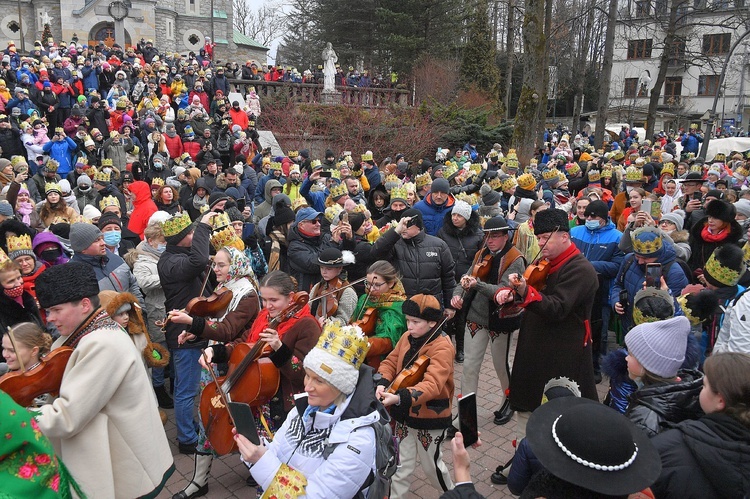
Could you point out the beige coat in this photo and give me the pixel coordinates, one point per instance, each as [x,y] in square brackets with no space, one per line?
[105,425]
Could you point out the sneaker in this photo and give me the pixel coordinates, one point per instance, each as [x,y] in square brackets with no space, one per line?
[459,357]
[504,414]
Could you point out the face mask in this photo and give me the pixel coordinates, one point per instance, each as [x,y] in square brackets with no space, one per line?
[158,166]
[592,224]
[236,108]
[14,292]
[160,248]
[112,238]
[51,255]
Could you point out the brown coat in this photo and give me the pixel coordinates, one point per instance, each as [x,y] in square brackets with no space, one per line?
[432,397]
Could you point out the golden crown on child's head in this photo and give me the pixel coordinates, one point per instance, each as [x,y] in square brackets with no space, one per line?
[176,224]
[106,162]
[226,237]
[345,342]
[274,165]
[157,181]
[108,201]
[293,154]
[422,179]
[549,174]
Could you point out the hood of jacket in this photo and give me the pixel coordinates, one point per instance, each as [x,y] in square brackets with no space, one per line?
[674,401]
[223,184]
[680,236]
[201,182]
[47,237]
[448,202]
[270,184]
[472,224]
[141,190]
[720,444]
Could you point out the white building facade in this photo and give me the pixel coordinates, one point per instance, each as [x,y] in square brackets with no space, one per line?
[705,34]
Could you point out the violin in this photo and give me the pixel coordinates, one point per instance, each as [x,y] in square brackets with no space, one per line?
[413,374]
[536,274]
[329,305]
[24,387]
[213,305]
[368,321]
[480,267]
[251,378]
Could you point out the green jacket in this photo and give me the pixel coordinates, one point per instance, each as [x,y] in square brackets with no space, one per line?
[391,322]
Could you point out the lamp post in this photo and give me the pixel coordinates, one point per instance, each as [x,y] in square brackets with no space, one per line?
[712,114]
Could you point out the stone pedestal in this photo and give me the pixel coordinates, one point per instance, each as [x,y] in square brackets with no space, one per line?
[330,98]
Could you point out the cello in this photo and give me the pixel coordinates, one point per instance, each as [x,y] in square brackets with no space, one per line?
[251,378]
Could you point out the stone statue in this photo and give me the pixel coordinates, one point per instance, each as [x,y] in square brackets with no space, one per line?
[46,19]
[329,68]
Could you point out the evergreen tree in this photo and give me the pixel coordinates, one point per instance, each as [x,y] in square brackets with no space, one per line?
[46,35]
[478,66]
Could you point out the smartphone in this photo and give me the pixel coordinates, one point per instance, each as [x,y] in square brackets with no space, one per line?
[646,206]
[698,196]
[653,275]
[241,204]
[467,418]
[325,174]
[244,421]
[623,299]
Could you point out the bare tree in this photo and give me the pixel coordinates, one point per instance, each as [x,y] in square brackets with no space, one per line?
[263,25]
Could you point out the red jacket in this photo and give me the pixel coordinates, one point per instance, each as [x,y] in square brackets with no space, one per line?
[192,147]
[174,145]
[239,117]
[144,207]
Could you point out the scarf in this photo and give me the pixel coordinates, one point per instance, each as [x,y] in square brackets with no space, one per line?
[25,208]
[98,319]
[387,299]
[199,202]
[239,279]
[261,322]
[5,179]
[710,237]
[278,239]
[562,258]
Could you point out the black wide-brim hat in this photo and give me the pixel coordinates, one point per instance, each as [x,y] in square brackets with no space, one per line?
[593,434]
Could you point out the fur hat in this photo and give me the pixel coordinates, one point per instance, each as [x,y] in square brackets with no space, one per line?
[660,346]
[550,221]
[699,307]
[338,355]
[66,283]
[425,307]
[83,235]
[721,210]
[651,305]
[725,266]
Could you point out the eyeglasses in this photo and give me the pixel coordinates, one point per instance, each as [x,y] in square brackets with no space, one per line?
[374,285]
[314,221]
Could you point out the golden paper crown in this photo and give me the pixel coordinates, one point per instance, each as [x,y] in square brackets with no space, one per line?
[668,168]
[220,221]
[471,199]
[106,162]
[656,155]
[399,192]
[59,129]
[496,183]
[725,275]
[650,243]
[157,181]
[102,177]
[176,224]
[594,176]
[533,161]
[740,172]
[335,174]
[19,243]
[226,237]
[392,179]
[339,191]
[266,161]
[52,187]
[332,212]
[550,174]
[475,168]
[109,201]
[572,169]
[274,166]
[18,160]
[293,154]
[422,179]
[52,165]
[509,183]
[344,342]
[693,126]
[315,163]
[450,171]
[565,137]
[682,300]
[633,174]
[527,181]
[287,483]
[619,155]
[299,203]
[720,157]
[696,168]
[3,258]
[607,173]
[367,156]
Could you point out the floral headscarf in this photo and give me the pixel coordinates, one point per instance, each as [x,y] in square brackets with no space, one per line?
[239,265]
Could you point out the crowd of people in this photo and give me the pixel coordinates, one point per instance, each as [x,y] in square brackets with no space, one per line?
[155,247]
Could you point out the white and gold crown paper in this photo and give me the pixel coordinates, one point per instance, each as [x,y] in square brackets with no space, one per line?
[176,224]
[348,343]
[108,201]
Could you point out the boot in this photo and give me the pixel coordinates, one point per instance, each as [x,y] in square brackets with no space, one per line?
[460,345]
[163,417]
[504,414]
[165,401]
[198,485]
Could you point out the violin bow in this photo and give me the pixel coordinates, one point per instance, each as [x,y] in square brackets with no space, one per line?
[223,395]
[13,342]
[337,290]
[418,352]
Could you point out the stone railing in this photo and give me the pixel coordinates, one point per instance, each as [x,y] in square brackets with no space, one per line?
[310,93]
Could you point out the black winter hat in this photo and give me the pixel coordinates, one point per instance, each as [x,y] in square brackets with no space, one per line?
[721,210]
[725,266]
[109,218]
[416,217]
[598,209]
[356,220]
[425,307]
[550,221]
[282,213]
[216,197]
[66,283]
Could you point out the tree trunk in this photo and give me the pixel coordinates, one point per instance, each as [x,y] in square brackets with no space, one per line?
[534,90]
[661,76]
[583,51]
[509,58]
[606,76]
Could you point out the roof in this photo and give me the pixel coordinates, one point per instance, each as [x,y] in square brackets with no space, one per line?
[241,39]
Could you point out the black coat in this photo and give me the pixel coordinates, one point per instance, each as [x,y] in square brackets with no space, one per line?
[651,407]
[11,313]
[704,459]
[701,250]
[552,336]
[302,255]
[181,273]
[463,243]
[10,141]
[424,262]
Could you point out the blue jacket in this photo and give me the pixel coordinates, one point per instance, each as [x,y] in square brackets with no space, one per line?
[600,247]
[24,105]
[433,215]
[91,77]
[62,152]
[316,199]
[525,466]
[690,142]
[373,177]
[635,276]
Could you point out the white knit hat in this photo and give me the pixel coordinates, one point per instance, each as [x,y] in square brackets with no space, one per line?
[336,358]
[462,208]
